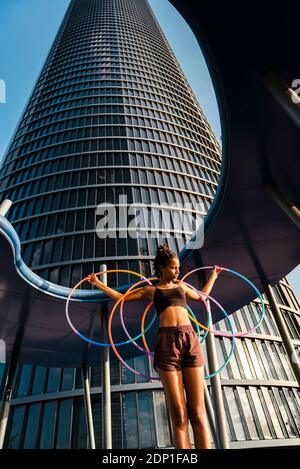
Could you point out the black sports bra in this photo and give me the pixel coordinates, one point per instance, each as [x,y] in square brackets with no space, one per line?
[168,297]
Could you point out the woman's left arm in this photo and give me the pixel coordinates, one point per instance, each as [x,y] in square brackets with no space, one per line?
[213,277]
[207,287]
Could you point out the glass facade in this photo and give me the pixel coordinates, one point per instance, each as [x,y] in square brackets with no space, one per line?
[112,115]
[261,395]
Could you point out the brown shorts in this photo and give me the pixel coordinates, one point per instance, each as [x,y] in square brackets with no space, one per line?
[176,348]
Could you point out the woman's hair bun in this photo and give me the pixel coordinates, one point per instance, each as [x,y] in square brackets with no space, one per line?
[163,248]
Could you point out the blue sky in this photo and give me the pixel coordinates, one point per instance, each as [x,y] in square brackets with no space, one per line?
[26,35]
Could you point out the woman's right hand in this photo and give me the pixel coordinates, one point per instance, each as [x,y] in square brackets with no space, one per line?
[93,279]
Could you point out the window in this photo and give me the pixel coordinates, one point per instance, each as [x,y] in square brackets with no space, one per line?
[246,364]
[53,275]
[27,254]
[285,412]
[79,439]
[233,368]
[137,195]
[53,380]
[234,415]
[67,250]
[68,379]
[64,424]
[32,427]
[154,196]
[257,365]
[57,246]
[24,381]
[61,218]
[47,251]
[73,199]
[159,179]
[146,424]
[261,412]
[70,222]
[39,380]
[143,247]
[247,413]
[80,219]
[134,175]
[51,225]
[48,425]
[132,247]
[65,277]
[110,247]
[24,230]
[78,247]
[163,198]
[130,420]
[163,426]
[273,414]
[89,246]
[14,441]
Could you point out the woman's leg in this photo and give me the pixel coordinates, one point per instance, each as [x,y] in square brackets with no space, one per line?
[173,387]
[194,388]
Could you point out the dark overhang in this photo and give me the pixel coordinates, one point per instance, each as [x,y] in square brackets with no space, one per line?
[251,227]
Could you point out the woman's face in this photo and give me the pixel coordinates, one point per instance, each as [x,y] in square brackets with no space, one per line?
[171,272]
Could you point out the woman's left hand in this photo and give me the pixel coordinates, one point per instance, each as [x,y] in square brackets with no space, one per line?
[216,271]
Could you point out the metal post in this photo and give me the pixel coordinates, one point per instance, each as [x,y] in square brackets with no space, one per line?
[7,397]
[5,206]
[216,387]
[106,397]
[88,406]
[210,415]
[154,408]
[284,203]
[283,330]
[284,95]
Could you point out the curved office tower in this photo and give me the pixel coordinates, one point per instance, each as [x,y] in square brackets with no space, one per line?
[112,114]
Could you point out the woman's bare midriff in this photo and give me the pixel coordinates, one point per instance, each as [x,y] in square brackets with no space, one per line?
[174,316]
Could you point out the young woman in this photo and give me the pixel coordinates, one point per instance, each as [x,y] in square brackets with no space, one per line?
[178,357]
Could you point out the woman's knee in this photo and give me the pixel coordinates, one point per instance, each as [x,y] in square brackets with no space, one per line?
[179,416]
[196,415]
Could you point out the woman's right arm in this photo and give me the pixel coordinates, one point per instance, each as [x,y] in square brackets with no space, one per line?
[138,294]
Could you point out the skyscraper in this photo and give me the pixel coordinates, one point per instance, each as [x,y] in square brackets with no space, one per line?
[111,115]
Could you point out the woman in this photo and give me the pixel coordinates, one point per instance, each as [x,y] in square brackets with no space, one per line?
[178,357]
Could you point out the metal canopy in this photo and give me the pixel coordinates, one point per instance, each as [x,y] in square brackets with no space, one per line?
[251,50]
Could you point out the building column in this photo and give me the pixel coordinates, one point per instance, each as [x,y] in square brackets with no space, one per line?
[284,203]
[289,100]
[8,389]
[286,97]
[88,406]
[215,382]
[283,330]
[105,375]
